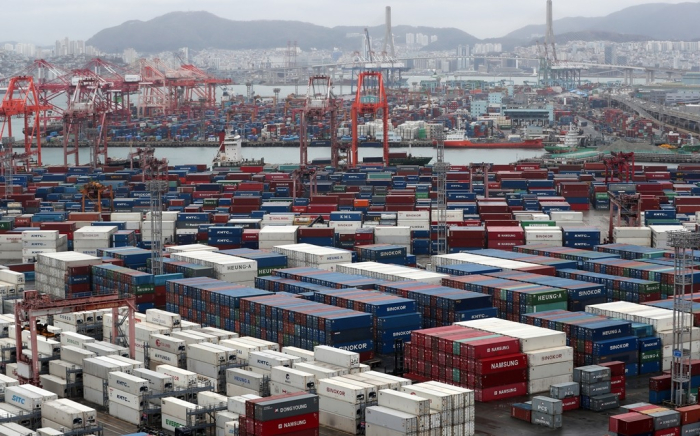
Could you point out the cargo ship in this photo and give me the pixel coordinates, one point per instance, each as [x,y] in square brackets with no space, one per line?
[230,154]
[459,139]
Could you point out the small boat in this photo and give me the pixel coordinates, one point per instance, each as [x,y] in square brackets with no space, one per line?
[459,139]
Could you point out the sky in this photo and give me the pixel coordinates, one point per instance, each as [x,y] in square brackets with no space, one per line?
[44,21]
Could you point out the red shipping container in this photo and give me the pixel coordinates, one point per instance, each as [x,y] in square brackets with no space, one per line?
[571,403]
[500,392]
[521,414]
[497,379]
[631,424]
[500,364]
[617,368]
[689,414]
[673,431]
[492,347]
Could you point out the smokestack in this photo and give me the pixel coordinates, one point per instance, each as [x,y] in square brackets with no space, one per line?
[388,35]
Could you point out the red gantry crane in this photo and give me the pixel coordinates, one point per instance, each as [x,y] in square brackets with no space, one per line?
[21,101]
[85,117]
[369,99]
[320,102]
[35,305]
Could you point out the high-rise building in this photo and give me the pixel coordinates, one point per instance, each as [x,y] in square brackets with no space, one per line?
[129,55]
[609,54]
[410,38]
[463,57]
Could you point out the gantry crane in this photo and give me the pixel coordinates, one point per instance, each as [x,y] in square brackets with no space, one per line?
[441,168]
[482,169]
[301,176]
[319,103]
[370,98]
[22,101]
[35,305]
[95,192]
[86,115]
[619,167]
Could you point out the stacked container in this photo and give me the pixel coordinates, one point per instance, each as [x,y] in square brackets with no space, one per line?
[88,239]
[211,361]
[109,278]
[392,273]
[36,242]
[209,301]
[618,288]
[470,358]
[660,319]
[545,236]
[595,339]
[227,268]
[345,223]
[504,238]
[27,397]
[632,236]
[66,414]
[455,405]
[547,411]
[176,413]
[271,236]
[486,260]
[126,396]
[307,255]
[291,321]
[659,235]
[65,275]
[296,413]
[512,298]
[549,360]
[393,235]
[96,374]
[596,388]
[393,317]
[12,245]
[579,294]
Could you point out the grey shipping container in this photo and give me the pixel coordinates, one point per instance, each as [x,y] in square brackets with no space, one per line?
[286,407]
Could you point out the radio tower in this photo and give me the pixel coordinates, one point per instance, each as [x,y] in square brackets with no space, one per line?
[388,36]
[683,243]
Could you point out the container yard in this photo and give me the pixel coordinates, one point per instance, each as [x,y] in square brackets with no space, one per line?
[359,308]
[387,295]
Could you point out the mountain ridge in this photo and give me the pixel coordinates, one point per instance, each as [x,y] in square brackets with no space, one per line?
[204,30]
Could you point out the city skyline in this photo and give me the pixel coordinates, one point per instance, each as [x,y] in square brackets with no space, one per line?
[81,19]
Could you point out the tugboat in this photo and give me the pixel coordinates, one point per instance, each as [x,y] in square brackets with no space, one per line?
[571,142]
[230,154]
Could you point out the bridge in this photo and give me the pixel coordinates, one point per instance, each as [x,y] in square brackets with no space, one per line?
[682,121]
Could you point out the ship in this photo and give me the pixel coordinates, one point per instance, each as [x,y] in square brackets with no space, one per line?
[570,144]
[230,153]
[403,158]
[459,139]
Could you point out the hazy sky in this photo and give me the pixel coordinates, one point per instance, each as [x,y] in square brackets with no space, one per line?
[44,21]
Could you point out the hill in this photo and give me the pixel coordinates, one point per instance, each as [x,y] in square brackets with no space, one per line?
[200,30]
[651,20]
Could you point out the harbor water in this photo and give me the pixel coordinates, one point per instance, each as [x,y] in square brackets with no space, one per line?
[287,155]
